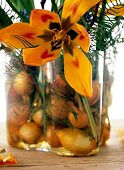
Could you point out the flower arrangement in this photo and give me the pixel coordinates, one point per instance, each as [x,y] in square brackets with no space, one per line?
[43,39]
[61,113]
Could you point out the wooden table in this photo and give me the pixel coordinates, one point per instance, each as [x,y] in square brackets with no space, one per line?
[110,157]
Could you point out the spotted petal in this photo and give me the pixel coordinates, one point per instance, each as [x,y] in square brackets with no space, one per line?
[80,36]
[43,20]
[77,69]
[19,35]
[73,10]
[117,10]
[40,55]
[42,28]
[108,1]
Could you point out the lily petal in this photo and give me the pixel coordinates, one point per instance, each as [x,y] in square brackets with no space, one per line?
[19,35]
[40,55]
[73,10]
[43,20]
[117,10]
[80,36]
[80,76]
[108,1]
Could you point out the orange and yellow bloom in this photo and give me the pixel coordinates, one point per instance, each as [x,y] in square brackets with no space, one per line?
[114,8]
[117,10]
[46,36]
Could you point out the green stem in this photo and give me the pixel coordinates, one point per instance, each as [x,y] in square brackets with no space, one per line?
[79,101]
[43,88]
[99,33]
[90,117]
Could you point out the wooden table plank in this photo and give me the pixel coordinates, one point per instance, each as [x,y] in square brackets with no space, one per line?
[110,157]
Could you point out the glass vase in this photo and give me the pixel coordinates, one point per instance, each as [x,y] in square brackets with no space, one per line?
[108,78]
[45,113]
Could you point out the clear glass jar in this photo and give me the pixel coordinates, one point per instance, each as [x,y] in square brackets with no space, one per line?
[45,113]
[108,78]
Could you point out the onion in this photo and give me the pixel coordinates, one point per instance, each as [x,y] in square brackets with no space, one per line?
[23,84]
[30,133]
[77,141]
[18,113]
[80,120]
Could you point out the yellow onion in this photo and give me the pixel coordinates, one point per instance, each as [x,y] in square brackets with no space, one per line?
[96,93]
[78,118]
[18,113]
[30,133]
[58,107]
[51,137]
[12,95]
[38,117]
[80,121]
[23,84]
[60,85]
[76,141]
[12,134]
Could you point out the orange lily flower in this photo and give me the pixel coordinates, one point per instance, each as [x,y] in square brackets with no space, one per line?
[46,35]
[117,10]
[112,9]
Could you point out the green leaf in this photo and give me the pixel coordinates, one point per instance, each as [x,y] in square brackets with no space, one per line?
[54,6]
[5,20]
[22,17]
[61,1]
[28,5]
[91,119]
[16,4]
[21,5]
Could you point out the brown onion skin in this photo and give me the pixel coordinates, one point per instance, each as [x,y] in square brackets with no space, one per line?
[18,113]
[96,93]
[30,133]
[38,117]
[51,137]
[23,84]
[76,141]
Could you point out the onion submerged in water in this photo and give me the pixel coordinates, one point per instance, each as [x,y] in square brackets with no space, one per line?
[78,118]
[58,107]
[51,136]
[18,113]
[76,141]
[23,84]
[96,93]
[30,133]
